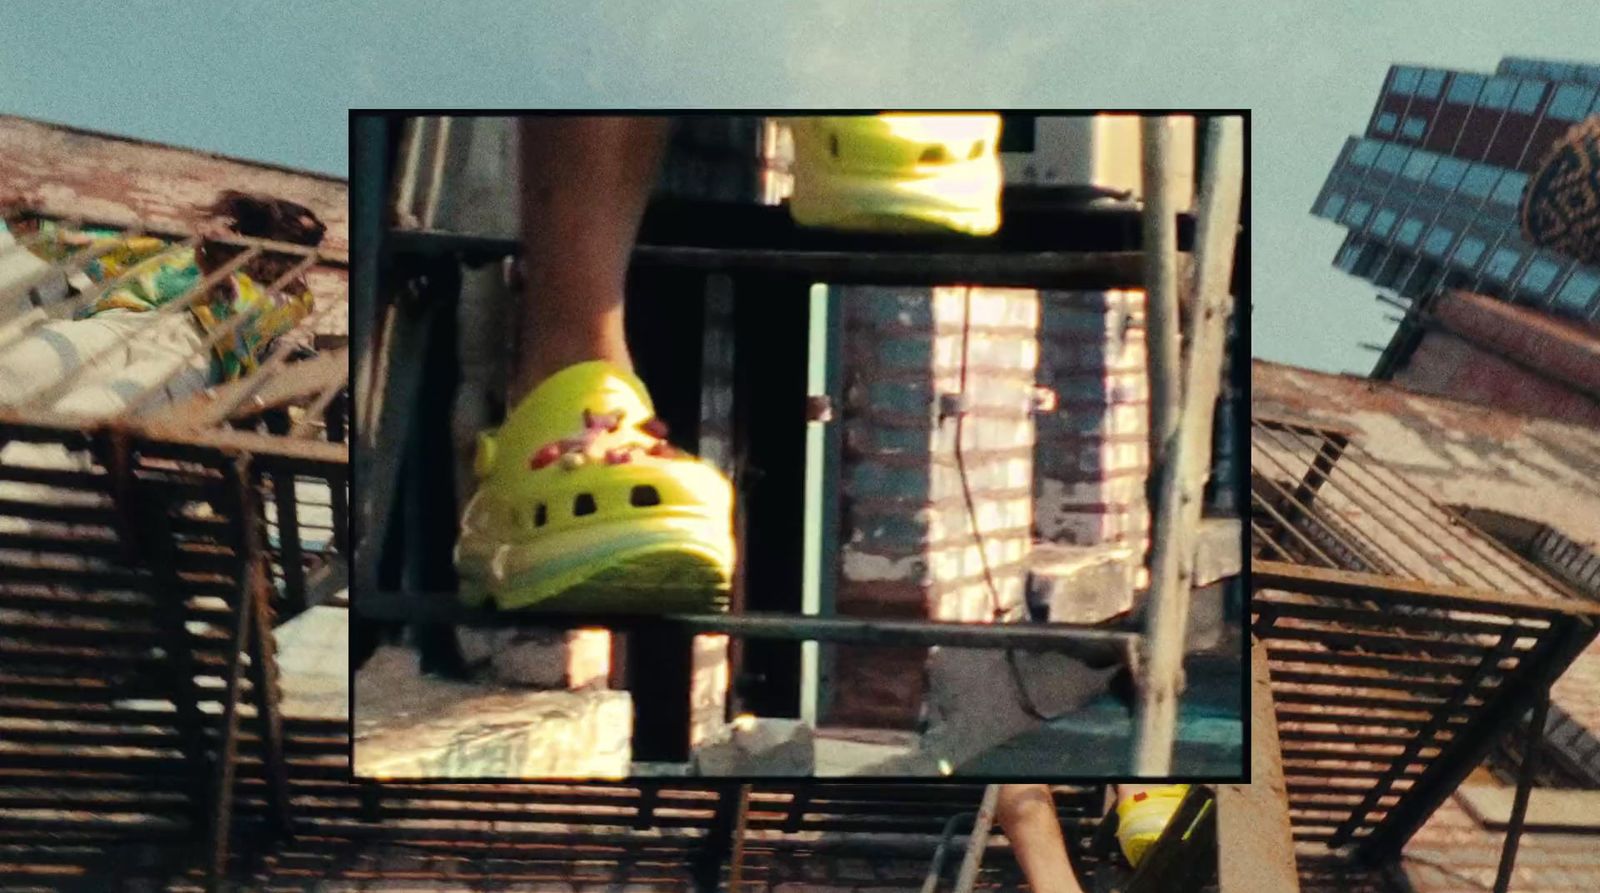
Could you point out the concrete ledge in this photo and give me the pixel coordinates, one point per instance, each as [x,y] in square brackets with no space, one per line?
[1549,809]
[409,726]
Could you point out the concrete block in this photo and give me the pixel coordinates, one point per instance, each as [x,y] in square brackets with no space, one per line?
[1081,584]
[758,746]
[408,726]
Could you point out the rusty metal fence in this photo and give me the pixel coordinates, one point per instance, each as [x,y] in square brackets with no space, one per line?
[1403,641]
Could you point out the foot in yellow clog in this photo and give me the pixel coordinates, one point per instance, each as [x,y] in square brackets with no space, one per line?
[582,506]
[1142,818]
[898,173]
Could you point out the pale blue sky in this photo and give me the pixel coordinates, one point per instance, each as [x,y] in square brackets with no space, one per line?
[271,79]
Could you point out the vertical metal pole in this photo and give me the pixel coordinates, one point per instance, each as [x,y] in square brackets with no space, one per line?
[1519,805]
[225,768]
[368,184]
[972,862]
[1160,247]
[1183,472]
[740,821]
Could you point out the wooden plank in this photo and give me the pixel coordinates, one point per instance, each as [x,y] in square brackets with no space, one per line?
[1256,849]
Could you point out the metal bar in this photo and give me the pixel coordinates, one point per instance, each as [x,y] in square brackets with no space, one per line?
[1480,539]
[1365,552]
[1519,804]
[1447,517]
[283,497]
[1438,780]
[225,767]
[444,608]
[1258,534]
[1034,269]
[170,615]
[1160,243]
[1278,575]
[75,263]
[978,841]
[1381,514]
[263,658]
[740,825]
[131,223]
[214,338]
[50,395]
[1276,542]
[1182,478]
[930,883]
[1327,454]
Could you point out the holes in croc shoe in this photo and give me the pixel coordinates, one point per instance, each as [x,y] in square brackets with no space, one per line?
[583,504]
[541,515]
[934,155]
[644,496]
[977,151]
[833,144]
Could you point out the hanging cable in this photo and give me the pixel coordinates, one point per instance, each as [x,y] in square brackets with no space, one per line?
[997,611]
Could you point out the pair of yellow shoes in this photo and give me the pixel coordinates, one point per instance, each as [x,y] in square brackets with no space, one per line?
[581,504]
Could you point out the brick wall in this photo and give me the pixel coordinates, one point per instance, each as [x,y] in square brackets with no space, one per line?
[1448,366]
[1093,453]
[907,544]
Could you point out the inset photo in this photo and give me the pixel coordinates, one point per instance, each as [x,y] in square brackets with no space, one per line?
[880,444]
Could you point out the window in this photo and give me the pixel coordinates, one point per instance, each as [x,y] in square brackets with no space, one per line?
[1541,272]
[1357,215]
[1392,158]
[1364,153]
[1428,86]
[1333,205]
[1414,128]
[1464,88]
[1502,264]
[1509,190]
[1385,124]
[1438,241]
[1409,231]
[1418,166]
[1346,260]
[1447,173]
[1382,222]
[1581,288]
[1497,92]
[1470,251]
[1405,81]
[1571,102]
[1479,180]
[1528,96]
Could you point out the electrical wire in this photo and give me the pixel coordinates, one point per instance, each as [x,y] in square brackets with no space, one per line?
[997,611]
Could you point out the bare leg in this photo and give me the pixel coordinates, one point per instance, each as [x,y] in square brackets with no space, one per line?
[1027,814]
[585,183]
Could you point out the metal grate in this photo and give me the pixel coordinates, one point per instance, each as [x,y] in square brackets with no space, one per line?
[295,393]
[1402,641]
[143,560]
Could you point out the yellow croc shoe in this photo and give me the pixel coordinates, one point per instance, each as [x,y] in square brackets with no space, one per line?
[583,506]
[898,173]
[1142,817]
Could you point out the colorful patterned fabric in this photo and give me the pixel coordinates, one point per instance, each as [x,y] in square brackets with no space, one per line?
[157,279]
[1561,208]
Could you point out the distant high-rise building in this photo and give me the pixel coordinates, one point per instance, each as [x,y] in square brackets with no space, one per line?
[1433,193]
